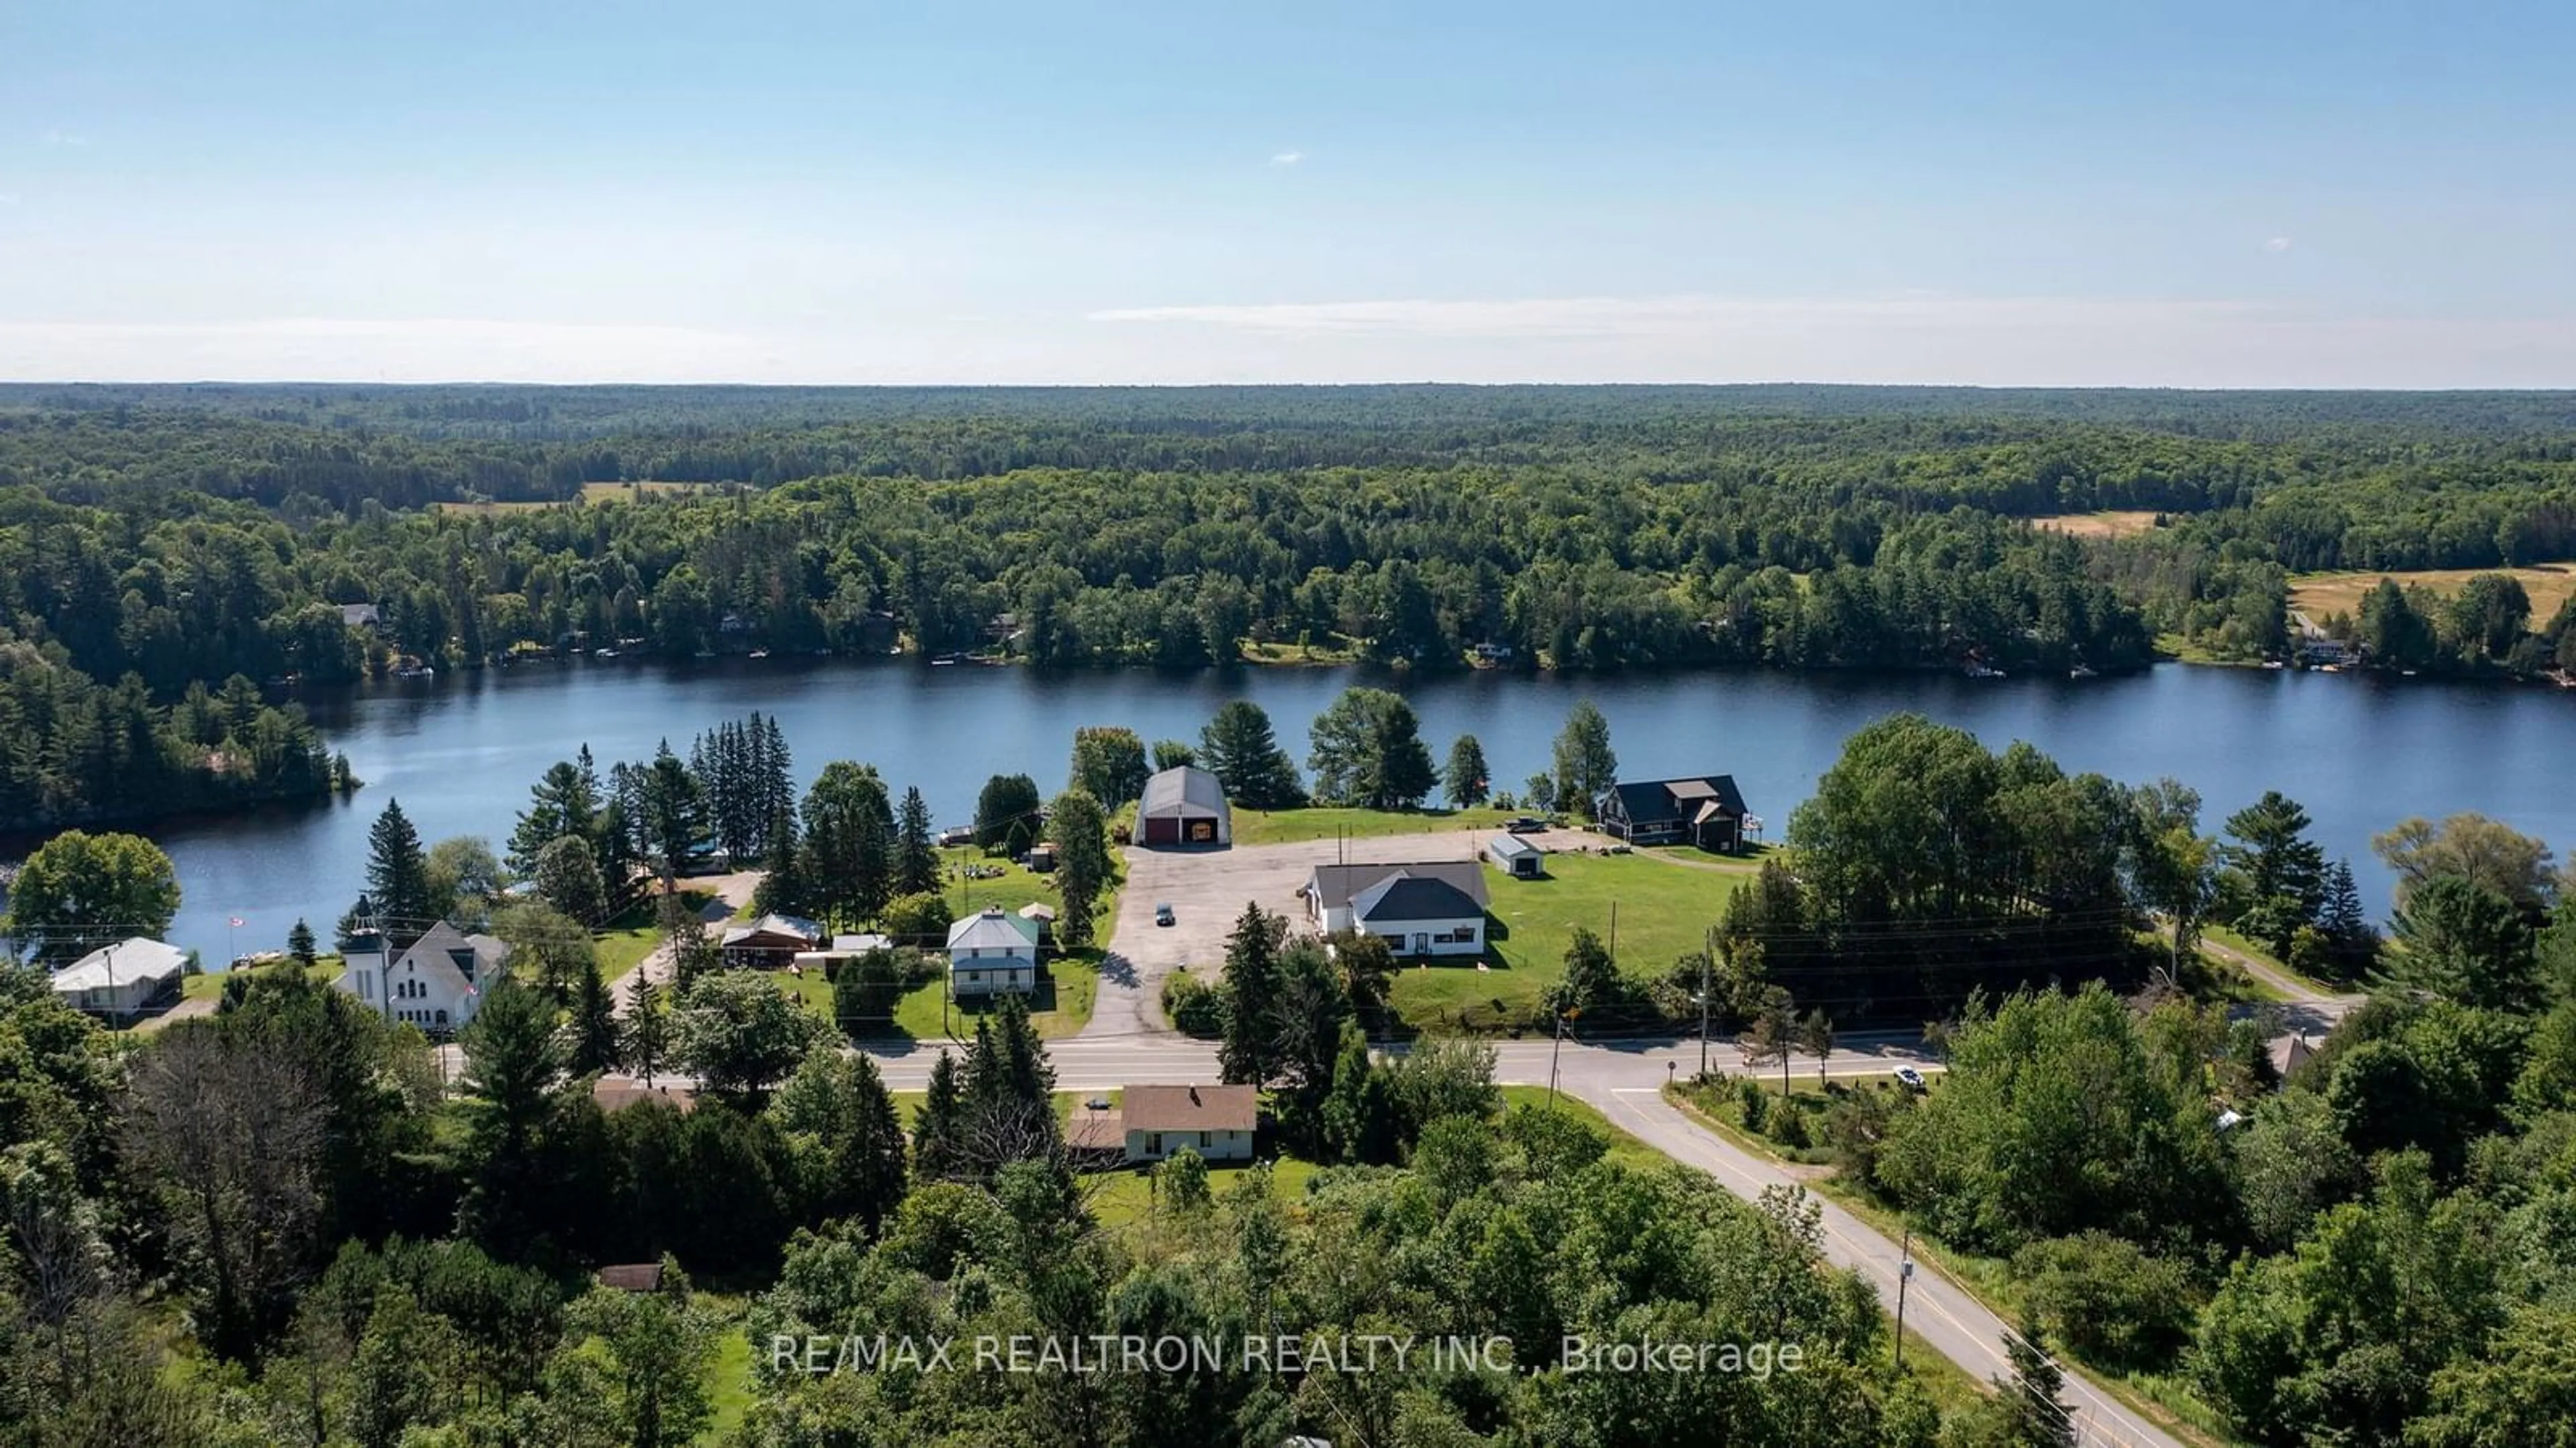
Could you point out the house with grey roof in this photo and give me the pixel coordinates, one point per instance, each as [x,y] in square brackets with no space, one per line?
[992,953]
[1428,908]
[1704,810]
[1184,806]
[123,980]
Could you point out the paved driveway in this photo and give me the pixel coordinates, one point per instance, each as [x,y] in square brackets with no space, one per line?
[1207,889]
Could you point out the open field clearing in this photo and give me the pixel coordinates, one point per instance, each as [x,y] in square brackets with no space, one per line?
[2322,595]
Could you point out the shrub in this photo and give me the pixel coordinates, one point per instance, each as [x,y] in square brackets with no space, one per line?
[1194,1007]
[2108,1301]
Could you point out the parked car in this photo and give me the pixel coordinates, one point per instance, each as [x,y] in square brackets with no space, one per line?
[1162,914]
[1909,1078]
[1525,825]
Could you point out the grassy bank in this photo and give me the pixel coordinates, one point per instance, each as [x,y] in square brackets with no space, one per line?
[1664,912]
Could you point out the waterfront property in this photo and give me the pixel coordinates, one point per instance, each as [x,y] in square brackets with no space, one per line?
[121,981]
[1151,1123]
[1516,857]
[992,953]
[1703,810]
[1430,908]
[434,984]
[1184,806]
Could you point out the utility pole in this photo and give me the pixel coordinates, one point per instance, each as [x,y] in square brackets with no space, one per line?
[1704,962]
[1904,1275]
[1614,932]
[1553,1052]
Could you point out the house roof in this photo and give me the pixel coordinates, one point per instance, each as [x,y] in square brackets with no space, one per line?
[1096,1131]
[632,1277]
[1647,800]
[2289,1053]
[1335,886]
[1190,1108]
[437,946]
[354,614]
[127,961]
[1184,790]
[1039,911]
[861,944]
[612,1094]
[993,930]
[773,927]
[1402,896]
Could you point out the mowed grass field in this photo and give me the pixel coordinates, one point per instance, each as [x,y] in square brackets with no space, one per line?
[1664,912]
[1289,826]
[2107,524]
[2322,595]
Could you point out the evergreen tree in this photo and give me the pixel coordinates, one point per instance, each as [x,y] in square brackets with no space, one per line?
[2352,942]
[939,1128]
[916,847]
[1249,1053]
[1586,766]
[1237,746]
[512,1063]
[1465,782]
[848,1138]
[647,1038]
[1083,863]
[849,842]
[2037,1417]
[1173,754]
[675,813]
[594,1046]
[565,801]
[1359,1120]
[398,876]
[300,946]
[783,887]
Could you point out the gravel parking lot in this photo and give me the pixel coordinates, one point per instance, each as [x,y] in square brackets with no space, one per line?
[1207,889]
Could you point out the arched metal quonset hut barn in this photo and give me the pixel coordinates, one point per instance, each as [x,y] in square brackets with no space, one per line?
[1184,806]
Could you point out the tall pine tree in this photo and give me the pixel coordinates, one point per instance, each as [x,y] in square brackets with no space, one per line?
[398,877]
[1249,1054]
[916,847]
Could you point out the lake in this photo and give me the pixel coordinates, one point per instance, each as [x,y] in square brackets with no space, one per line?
[460,752]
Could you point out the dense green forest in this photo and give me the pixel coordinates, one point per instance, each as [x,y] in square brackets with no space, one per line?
[183,535]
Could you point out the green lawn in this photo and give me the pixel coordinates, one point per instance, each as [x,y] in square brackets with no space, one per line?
[326,969]
[1287,826]
[1061,1006]
[729,1385]
[632,936]
[1664,913]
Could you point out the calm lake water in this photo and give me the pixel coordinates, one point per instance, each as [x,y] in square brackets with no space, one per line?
[461,752]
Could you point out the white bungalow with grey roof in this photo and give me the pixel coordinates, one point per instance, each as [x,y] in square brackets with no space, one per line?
[121,980]
[1431,908]
[992,954]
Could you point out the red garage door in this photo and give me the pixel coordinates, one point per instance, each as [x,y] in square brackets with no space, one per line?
[1162,830]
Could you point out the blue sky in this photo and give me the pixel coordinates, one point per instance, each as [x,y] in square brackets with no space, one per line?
[2189,194]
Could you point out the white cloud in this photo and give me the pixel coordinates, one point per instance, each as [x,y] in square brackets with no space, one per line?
[1287,158]
[2277,244]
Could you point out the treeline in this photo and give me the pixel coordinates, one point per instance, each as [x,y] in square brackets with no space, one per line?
[364,1258]
[74,752]
[2374,1251]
